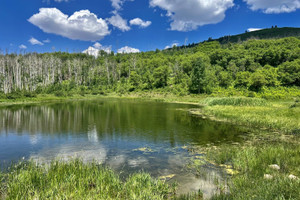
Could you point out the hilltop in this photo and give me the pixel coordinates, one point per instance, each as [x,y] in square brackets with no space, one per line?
[267,33]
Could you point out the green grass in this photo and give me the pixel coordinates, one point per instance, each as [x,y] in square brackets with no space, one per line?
[283,116]
[148,96]
[76,180]
[252,162]
[234,101]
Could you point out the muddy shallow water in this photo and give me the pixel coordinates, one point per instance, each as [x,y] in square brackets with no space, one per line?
[127,135]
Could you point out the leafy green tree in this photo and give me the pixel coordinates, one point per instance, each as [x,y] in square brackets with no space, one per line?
[242,79]
[134,80]
[257,81]
[161,75]
[289,73]
[271,75]
[225,79]
[198,76]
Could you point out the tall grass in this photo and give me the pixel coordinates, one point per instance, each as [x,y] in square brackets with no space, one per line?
[76,180]
[280,116]
[234,101]
[252,162]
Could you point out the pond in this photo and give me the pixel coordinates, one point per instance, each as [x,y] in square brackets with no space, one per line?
[127,135]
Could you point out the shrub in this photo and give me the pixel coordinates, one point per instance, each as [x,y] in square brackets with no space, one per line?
[59,93]
[29,94]
[14,95]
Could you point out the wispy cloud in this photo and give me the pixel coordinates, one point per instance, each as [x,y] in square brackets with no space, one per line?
[34,41]
[22,46]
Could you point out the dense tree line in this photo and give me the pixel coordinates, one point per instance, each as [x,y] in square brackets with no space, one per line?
[203,68]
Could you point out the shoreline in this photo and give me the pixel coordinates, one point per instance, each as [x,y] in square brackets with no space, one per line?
[276,116]
[147,97]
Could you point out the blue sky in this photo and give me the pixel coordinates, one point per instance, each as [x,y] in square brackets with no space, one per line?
[133,25]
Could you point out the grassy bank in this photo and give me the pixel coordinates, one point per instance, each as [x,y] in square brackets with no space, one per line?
[283,116]
[275,115]
[265,167]
[145,96]
[249,164]
[255,178]
[76,180]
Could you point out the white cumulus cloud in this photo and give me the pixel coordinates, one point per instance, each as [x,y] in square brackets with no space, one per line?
[82,25]
[172,45]
[119,22]
[128,49]
[253,29]
[34,41]
[22,46]
[274,6]
[140,22]
[188,15]
[97,47]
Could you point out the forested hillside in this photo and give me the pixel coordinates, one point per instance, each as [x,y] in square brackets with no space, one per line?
[251,68]
[269,33]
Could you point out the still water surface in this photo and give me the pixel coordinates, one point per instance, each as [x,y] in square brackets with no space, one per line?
[127,135]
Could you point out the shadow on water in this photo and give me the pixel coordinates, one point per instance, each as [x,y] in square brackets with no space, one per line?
[126,135]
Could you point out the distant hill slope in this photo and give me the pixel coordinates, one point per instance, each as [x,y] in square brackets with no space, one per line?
[261,34]
[268,33]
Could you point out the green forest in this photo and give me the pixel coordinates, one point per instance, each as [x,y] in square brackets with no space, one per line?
[267,68]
